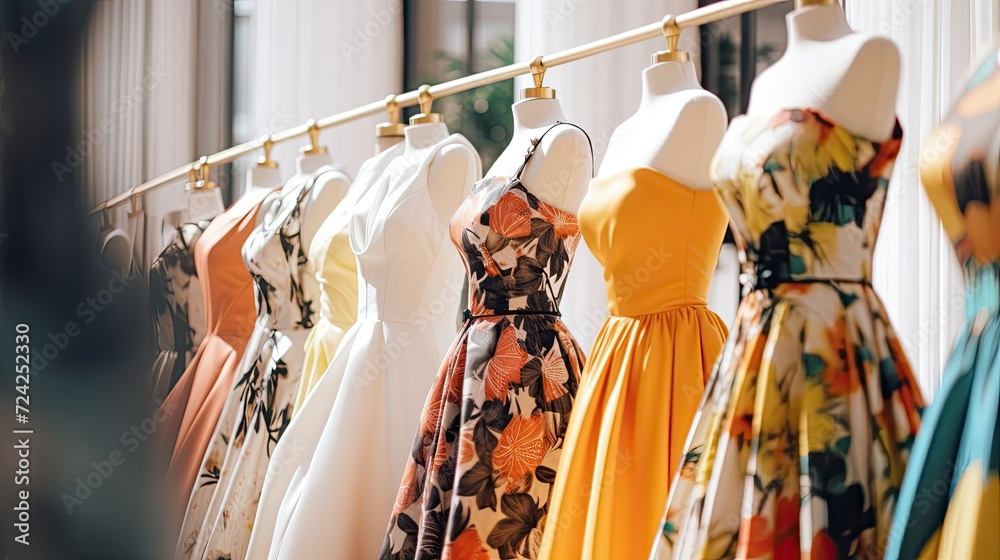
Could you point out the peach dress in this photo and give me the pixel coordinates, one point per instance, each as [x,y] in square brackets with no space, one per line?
[195,403]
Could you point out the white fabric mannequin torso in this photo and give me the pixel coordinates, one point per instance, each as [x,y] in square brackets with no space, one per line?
[547,175]
[294,451]
[383,143]
[260,182]
[676,129]
[324,195]
[410,279]
[852,77]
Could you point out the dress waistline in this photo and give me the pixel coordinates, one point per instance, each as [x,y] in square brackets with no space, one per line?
[468,316]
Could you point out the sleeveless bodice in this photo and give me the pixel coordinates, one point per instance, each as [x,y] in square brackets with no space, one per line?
[225,281]
[960,169]
[330,252]
[805,196]
[406,273]
[176,304]
[284,282]
[336,273]
[677,231]
[517,248]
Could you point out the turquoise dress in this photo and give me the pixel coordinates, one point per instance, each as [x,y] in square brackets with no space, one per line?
[949,504]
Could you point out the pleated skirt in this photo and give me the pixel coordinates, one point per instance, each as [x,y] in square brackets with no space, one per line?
[638,396]
[949,505]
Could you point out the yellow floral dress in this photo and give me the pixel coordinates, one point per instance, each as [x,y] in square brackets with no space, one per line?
[799,446]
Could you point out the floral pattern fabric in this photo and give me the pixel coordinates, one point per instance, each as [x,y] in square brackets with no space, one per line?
[223,504]
[800,444]
[177,307]
[485,455]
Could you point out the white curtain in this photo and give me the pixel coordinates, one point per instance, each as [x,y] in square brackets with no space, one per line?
[153,83]
[312,59]
[915,268]
[599,93]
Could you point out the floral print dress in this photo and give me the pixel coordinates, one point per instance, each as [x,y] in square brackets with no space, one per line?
[800,444]
[223,505]
[177,307]
[480,475]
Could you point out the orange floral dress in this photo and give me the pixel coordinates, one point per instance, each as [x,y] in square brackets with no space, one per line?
[799,446]
[478,481]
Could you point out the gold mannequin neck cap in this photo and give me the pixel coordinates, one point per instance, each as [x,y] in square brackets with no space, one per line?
[426,100]
[391,128]
[672,33]
[538,75]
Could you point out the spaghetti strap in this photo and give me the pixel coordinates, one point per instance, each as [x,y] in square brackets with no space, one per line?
[536,141]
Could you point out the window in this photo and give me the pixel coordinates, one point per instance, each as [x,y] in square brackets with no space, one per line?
[448,39]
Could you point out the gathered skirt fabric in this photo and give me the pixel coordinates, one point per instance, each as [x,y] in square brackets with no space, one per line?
[320,348]
[384,368]
[484,458]
[799,447]
[949,505]
[640,390]
[194,406]
[223,504]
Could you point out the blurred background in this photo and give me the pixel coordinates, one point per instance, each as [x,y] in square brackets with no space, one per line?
[101,95]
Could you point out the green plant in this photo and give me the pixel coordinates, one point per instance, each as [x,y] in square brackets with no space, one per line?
[483,114]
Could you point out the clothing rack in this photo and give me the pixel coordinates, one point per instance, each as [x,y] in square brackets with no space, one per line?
[670,28]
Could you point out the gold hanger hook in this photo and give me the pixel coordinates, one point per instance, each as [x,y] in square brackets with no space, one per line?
[204,180]
[106,219]
[672,35]
[314,147]
[799,4]
[392,127]
[135,205]
[537,67]
[426,101]
[425,98]
[266,143]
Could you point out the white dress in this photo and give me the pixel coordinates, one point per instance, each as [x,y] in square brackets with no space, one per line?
[223,504]
[410,293]
[295,449]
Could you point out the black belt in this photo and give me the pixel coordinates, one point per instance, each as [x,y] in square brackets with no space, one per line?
[468,316]
[769,284]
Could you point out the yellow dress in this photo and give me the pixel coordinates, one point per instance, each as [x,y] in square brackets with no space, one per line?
[658,242]
[337,273]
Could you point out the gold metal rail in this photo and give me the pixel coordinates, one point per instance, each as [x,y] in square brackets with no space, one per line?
[694,18]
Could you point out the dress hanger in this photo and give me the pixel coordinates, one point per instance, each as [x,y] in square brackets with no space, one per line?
[799,4]
[672,33]
[426,100]
[391,128]
[538,75]
[204,197]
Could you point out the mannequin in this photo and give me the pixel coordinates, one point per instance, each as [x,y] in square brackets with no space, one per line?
[391,132]
[203,198]
[563,164]
[263,177]
[852,77]
[115,249]
[677,127]
[446,173]
[326,193]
